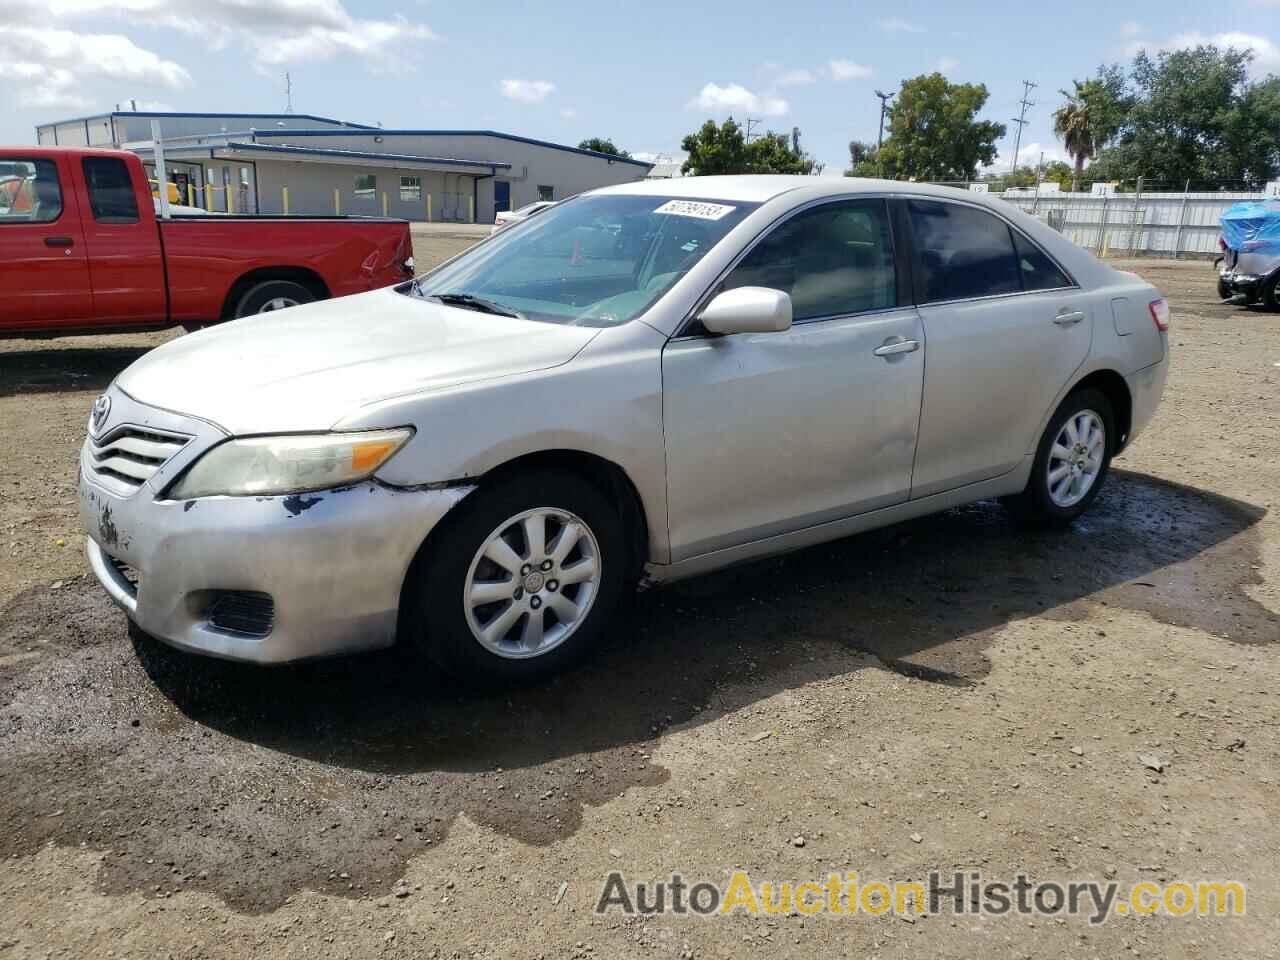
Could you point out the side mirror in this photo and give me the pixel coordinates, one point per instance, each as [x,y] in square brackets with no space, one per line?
[748,310]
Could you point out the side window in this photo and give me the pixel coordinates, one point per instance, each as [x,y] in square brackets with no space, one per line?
[962,251]
[111,195]
[29,191]
[833,260]
[546,193]
[1038,271]
[366,185]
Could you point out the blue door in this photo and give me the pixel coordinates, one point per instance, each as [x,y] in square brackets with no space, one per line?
[501,196]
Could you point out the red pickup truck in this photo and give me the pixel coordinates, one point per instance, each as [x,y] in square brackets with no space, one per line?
[82,251]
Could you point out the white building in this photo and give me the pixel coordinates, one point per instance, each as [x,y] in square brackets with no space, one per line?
[298,163]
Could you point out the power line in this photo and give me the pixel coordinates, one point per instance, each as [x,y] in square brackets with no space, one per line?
[1021,120]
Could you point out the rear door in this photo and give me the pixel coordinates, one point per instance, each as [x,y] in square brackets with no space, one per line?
[126,265]
[1006,328]
[45,281]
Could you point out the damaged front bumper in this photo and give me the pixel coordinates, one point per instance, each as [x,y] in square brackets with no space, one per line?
[264,579]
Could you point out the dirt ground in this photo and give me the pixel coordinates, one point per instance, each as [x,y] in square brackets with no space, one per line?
[951,694]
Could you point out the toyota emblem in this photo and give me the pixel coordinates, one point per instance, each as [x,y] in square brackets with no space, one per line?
[101,410]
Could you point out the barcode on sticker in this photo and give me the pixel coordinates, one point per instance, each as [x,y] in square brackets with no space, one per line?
[693,208]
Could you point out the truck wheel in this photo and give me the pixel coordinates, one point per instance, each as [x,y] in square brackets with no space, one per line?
[521,580]
[1071,462]
[273,295]
[1224,290]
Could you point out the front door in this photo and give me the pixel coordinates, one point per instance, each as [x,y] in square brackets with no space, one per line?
[1006,330]
[771,433]
[501,196]
[46,276]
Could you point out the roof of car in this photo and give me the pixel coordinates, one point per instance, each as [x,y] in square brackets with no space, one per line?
[758,188]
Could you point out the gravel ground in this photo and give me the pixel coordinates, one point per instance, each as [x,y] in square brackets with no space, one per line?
[952,693]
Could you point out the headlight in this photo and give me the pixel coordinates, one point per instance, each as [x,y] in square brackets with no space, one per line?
[288,464]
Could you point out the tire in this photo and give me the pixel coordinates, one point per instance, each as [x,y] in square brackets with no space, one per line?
[272,295]
[1268,297]
[1050,504]
[449,630]
[1224,290]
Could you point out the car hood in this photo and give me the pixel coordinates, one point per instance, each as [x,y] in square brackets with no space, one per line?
[308,367]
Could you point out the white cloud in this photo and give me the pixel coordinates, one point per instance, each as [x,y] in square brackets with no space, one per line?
[276,31]
[1028,156]
[55,68]
[527,91]
[899,25]
[847,70]
[568,113]
[796,78]
[1266,54]
[733,97]
[946,64]
[1130,29]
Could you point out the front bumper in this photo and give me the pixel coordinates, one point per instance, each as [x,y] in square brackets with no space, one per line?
[332,564]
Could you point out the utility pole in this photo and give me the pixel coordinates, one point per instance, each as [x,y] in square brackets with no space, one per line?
[1021,120]
[288,92]
[884,107]
[751,122]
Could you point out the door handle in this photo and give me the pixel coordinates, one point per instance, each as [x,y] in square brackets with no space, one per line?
[58,241]
[891,348]
[1069,317]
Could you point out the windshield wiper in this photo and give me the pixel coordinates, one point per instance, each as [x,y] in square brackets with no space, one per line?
[470,302]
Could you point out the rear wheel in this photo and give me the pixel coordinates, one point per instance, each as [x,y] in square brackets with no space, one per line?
[521,581]
[272,295]
[1072,460]
[1269,298]
[1224,290]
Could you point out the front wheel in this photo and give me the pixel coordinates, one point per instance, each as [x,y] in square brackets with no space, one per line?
[1072,460]
[521,581]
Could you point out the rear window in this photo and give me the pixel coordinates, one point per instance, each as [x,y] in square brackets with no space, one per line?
[963,252]
[111,195]
[29,191]
[1038,271]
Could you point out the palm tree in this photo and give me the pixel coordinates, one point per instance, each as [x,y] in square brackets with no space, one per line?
[1076,123]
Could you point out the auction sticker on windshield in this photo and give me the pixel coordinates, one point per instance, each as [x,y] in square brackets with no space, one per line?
[692,208]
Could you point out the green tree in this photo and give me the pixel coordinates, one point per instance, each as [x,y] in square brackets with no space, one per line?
[1195,116]
[1063,174]
[1087,119]
[862,160]
[934,133]
[603,145]
[723,149]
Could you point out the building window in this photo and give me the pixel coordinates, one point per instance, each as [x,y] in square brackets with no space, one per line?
[366,186]
[546,193]
[410,188]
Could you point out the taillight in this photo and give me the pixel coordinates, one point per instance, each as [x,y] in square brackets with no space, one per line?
[1160,313]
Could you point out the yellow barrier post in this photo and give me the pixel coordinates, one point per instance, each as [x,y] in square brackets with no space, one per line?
[472,204]
[231,206]
[208,197]
[284,196]
[428,208]
[337,202]
[191,195]
[384,203]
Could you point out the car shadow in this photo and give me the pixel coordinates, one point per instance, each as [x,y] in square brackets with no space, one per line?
[922,598]
[60,371]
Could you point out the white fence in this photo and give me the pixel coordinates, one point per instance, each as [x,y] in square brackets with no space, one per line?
[1159,224]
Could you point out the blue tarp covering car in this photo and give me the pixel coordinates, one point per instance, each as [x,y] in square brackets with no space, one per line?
[1250,266]
[1252,222]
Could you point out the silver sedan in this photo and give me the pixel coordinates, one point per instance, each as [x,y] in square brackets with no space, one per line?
[641,384]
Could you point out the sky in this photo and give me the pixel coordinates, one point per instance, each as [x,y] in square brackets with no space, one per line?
[643,74]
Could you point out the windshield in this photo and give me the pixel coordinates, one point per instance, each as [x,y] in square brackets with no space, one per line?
[594,261]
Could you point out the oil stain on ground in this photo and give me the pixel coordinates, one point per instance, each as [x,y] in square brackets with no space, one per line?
[254,783]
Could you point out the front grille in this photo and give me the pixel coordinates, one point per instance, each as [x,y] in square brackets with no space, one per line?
[244,612]
[127,457]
